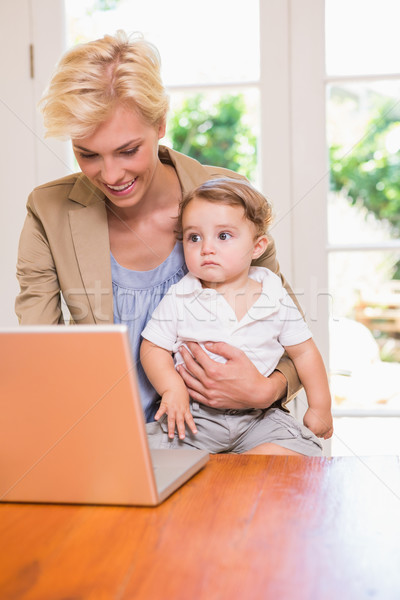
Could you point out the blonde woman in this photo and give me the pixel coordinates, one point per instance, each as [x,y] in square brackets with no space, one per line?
[103,239]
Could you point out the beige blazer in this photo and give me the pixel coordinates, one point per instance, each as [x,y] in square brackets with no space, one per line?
[64,247]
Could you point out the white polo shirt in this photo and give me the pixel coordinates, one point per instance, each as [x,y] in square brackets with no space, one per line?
[189,312]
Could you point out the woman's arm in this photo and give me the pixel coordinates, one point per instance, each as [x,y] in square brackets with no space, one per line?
[39,300]
[236,384]
[285,365]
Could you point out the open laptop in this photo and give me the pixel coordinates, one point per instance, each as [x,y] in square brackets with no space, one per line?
[71,422]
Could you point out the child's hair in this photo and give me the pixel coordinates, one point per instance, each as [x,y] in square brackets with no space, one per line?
[92,78]
[235,192]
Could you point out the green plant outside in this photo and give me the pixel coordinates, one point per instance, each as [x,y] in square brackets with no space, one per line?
[215,133]
[370,173]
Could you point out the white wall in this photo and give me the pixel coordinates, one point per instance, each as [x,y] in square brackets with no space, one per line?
[309,159]
[293,153]
[17,169]
[25,159]
[275,149]
[293,148]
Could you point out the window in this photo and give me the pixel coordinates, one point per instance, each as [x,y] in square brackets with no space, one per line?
[342,255]
[363,131]
[271,52]
[210,67]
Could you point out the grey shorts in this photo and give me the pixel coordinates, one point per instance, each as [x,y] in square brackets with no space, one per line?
[221,431]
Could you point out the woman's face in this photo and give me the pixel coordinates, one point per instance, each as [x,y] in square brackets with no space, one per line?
[121,157]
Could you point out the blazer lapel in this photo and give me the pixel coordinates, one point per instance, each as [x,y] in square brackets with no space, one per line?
[89,231]
[190,172]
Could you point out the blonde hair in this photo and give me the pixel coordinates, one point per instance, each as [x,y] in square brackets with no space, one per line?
[235,192]
[92,78]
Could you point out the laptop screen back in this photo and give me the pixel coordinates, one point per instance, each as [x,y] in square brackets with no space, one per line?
[72,425]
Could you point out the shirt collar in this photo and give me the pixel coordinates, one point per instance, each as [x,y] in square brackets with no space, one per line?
[271,283]
[189,285]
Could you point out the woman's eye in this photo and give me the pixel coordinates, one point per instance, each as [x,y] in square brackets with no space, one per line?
[131,151]
[224,235]
[87,156]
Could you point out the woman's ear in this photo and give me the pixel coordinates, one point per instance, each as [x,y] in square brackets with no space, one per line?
[162,126]
[260,246]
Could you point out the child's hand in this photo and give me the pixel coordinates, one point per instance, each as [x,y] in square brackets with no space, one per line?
[319,421]
[176,405]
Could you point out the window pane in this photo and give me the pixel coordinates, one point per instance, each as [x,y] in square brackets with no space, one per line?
[207,42]
[366,436]
[363,121]
[365,329]
[217,128]
[362,36]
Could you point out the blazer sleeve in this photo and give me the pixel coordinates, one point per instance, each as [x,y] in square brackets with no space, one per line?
[39,300]
[285,365]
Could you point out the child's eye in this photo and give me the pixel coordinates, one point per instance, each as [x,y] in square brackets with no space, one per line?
[194,237]
[224,235]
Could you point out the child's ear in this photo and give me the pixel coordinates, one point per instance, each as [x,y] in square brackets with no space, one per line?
[260,246]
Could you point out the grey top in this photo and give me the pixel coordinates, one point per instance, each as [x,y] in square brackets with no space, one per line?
[136,294]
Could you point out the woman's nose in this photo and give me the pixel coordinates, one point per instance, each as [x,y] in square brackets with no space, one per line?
[111,172]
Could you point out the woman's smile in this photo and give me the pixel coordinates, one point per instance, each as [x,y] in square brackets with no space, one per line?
[123,189]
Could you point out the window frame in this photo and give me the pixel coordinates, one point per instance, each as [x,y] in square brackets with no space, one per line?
[293,157]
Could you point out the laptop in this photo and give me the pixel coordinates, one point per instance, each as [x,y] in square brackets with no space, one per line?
[72,428]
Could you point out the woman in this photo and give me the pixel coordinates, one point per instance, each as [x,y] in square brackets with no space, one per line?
[105,238]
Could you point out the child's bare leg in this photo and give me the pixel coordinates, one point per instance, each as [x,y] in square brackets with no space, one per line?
[270,448]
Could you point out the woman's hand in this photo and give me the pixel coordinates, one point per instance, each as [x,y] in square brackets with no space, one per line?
[236,384]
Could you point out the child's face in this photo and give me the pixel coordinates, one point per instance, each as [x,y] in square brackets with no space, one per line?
[219,242]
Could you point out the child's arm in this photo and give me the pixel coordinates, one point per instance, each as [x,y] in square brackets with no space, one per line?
[159,367]
[311,370]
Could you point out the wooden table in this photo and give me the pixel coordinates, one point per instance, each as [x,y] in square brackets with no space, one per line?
[251,527]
